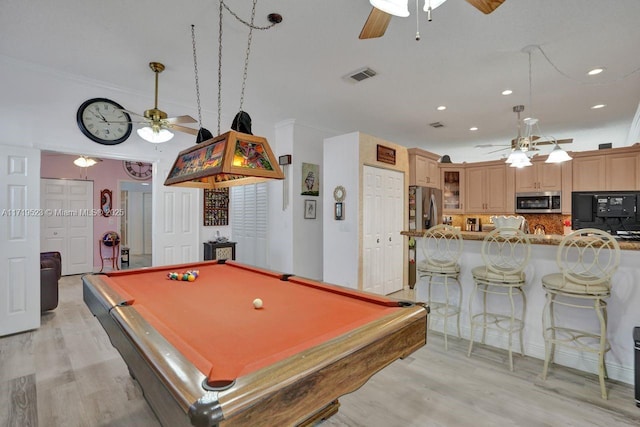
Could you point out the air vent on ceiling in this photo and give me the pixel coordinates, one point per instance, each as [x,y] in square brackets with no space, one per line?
[360,75]
[436,125]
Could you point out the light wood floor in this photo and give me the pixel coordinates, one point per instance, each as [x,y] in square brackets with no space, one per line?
[67,374]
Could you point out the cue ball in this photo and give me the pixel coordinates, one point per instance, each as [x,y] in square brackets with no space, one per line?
[257,303]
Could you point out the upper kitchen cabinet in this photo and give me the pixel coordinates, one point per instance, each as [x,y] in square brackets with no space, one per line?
[614,169]
[490,188]
[453,187]
[540,176]
[423,168]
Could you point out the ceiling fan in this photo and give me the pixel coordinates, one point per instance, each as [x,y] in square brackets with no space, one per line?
[157,123]
[378,20]
[528,142]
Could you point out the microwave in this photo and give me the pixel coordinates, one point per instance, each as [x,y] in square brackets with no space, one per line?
[542,202]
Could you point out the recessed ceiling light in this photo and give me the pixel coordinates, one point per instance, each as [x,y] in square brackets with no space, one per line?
[598,106]
[473,128]
[595,71]
[441,108]
[507,92]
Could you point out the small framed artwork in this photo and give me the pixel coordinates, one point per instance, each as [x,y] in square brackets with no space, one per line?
[310,180]
[106,202]
[309,209]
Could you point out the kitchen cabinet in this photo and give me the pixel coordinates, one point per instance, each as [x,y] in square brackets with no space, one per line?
[588,173]
[489,188]
[453,188]
[614,169]
[423,168]
[540,176]
[622,171]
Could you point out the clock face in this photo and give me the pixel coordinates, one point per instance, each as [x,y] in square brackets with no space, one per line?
[339,193]
[103,121]
[138,170]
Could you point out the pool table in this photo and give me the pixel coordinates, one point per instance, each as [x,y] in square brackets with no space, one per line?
[205,356]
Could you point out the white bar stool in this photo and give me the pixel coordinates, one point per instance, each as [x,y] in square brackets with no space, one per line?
[505,253]
[587,259]
[441,248]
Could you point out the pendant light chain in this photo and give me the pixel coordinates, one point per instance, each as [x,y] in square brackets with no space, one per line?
[248,51]
[246,59]
[219,64]
[195,69]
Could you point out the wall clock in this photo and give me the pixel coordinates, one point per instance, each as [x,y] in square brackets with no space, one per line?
[104,121]
[339,193]
[138,170]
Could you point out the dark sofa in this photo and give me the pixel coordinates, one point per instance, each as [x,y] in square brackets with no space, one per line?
[50,273]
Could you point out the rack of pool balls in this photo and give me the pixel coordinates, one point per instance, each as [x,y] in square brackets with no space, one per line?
[187,276]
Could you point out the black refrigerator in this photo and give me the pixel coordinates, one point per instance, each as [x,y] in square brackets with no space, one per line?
[425,211]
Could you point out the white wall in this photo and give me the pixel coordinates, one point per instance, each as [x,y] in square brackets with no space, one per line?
[341,238]
[280,216]
[295,242]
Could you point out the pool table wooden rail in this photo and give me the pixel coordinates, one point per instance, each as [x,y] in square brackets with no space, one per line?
[285,393]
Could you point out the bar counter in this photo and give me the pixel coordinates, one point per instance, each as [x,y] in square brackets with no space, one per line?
[536,239]
[623,306]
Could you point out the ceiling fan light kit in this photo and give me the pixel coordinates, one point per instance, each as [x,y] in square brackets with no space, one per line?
[558,155]
[393,7]
[84,162]
[157,136]
[432,4]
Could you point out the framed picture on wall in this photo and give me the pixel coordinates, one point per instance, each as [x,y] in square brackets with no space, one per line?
[310,180]
[309,209]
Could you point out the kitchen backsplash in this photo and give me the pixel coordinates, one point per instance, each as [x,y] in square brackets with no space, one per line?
[552,223]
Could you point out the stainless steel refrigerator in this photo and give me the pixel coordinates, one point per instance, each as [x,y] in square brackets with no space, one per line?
[425,211]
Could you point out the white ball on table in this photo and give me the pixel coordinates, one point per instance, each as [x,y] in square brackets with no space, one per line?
[257,303]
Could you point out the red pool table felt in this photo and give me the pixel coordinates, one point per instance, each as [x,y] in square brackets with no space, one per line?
[213,323]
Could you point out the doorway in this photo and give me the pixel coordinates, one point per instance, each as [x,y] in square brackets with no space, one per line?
[136,224]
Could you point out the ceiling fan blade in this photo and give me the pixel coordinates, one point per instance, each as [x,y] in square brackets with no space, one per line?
[131,113]
[500,149]
[180,119]
[486,6]
[551,141]
[490,145]
[376,24]
[182,128]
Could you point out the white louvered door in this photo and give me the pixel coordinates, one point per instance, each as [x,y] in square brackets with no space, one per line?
[249,223]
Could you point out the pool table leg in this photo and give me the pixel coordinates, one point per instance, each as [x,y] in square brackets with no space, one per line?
[323,414]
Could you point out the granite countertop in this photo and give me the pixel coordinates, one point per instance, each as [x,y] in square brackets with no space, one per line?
[538,239]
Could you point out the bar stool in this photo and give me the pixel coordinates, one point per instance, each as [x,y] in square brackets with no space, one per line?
[441,247]
[505,253]
[587,259]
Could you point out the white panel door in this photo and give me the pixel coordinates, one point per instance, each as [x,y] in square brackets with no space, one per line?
[147,228]
[373,231]
[175,220]
[382,211]
[393,221]
[80,242]
[67,226]
[20,217]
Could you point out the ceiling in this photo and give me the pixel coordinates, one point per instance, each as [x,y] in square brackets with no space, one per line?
[464,60]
